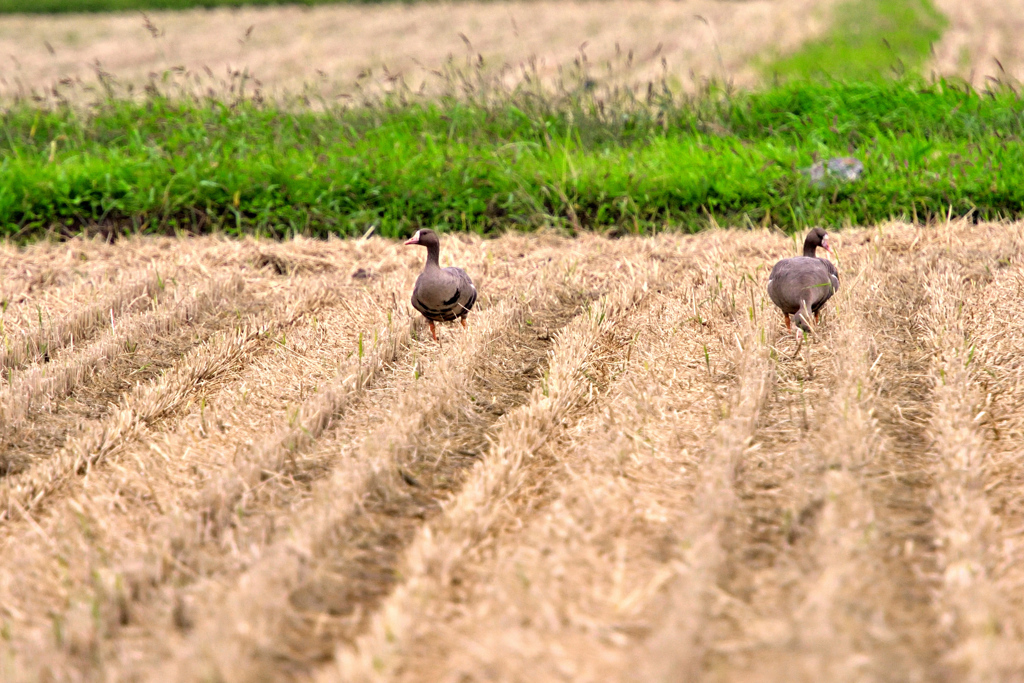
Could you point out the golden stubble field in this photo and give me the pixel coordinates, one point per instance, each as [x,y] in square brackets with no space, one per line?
[327,49]
[245,461]
[982,41]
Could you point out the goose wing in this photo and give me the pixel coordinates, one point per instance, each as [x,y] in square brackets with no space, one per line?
[796,281]
[443,294]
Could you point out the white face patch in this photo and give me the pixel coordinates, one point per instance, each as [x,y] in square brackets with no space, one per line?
[824,241]
[417,235]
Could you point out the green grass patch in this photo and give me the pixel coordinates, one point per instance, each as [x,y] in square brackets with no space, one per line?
[522,161]
[868,39]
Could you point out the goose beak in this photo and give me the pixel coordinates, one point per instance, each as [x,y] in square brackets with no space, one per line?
[415,239]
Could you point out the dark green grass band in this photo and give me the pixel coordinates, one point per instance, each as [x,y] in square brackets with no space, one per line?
[930,150]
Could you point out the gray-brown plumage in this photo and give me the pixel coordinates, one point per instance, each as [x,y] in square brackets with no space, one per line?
[440,294]
[801,285]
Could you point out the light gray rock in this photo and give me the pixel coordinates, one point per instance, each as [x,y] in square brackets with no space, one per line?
[844,169]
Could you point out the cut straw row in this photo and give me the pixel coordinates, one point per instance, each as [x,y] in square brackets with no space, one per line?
[256,619]
[141,408]
[40,386]
[977,559]
[80,326]
[486,503]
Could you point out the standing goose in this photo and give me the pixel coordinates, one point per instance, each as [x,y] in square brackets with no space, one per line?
[440,294]
[801,285]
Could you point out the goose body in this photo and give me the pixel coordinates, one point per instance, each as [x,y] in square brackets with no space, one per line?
[440,294]
[801,285]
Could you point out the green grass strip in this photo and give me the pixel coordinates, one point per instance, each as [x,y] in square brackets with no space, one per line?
[163,166]
[868,39]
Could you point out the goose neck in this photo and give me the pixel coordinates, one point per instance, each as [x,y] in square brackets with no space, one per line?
[434,255]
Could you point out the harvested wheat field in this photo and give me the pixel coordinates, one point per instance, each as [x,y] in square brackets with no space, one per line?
[246,461]
[330,49]
[982,41]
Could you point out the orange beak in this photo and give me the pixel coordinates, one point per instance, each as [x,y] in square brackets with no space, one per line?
[412,240]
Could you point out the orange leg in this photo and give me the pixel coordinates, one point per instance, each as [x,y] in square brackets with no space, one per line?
[433,332]
[463,321]
[816,318]
[786,318]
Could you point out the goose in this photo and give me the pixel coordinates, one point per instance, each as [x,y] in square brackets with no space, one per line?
[801,285]
[440,294]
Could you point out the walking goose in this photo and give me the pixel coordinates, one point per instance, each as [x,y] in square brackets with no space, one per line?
[801,285]
[440,294]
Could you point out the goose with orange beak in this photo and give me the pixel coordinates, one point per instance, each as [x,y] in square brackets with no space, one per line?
[440,294]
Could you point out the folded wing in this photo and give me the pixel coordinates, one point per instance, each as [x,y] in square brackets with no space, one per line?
[444,294]
[802,281]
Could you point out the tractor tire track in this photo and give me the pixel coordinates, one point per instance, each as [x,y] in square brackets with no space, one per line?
[899,484]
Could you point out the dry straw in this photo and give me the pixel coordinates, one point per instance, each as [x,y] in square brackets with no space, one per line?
[258,621]
[506,473]
[658,483]
[49,337]
[41,386]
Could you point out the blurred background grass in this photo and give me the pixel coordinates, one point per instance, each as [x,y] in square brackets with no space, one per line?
[868,39]
[483,149]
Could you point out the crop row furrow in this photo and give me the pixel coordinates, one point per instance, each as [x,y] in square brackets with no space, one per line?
[80,325]
[141,408]
[899,481]
[375,500]
[680,637]
[506,482]
[977,595]
[42,387]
